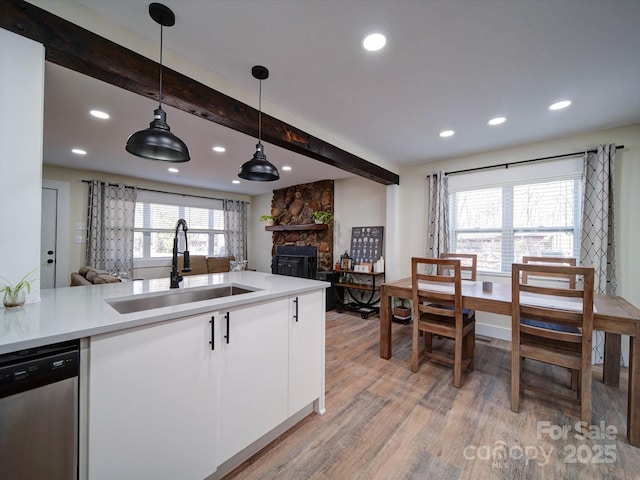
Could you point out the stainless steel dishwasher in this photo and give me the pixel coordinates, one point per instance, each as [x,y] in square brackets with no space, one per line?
[39,413]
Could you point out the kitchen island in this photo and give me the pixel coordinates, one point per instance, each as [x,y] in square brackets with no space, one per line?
[183,390]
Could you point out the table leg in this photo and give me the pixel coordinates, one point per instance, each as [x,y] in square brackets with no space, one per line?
[611,367]
[385,324]
[633,405]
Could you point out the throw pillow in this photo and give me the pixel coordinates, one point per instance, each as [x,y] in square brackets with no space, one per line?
[238,266]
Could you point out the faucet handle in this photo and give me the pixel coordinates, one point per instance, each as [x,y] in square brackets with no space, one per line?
[186,263]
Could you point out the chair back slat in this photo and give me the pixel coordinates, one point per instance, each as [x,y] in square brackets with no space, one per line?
[558,261]
[422,297]
[468,263]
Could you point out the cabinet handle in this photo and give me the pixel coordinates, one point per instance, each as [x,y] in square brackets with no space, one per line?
[228,331]
[213,333]
[296,302]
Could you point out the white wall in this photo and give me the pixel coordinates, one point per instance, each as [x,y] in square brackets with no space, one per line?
[21,120]
[358,202]
[260,240]
[414,204]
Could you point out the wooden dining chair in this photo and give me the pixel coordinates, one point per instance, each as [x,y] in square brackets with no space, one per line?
[552,325]
[439,312]
[551,261]
[468,263]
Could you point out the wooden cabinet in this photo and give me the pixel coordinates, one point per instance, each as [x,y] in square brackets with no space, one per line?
[152,402]
[253,378]
[306,351]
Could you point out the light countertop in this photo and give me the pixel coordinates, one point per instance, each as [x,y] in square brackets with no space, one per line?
[76,312]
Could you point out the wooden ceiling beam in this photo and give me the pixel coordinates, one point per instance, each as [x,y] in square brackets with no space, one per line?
[78,49]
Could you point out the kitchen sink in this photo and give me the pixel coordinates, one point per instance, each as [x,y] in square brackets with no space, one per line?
[138,303]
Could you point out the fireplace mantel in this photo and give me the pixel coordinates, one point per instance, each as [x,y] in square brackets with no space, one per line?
[304,226]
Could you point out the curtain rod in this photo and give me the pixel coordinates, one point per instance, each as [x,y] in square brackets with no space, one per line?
[507,165]
[161,191]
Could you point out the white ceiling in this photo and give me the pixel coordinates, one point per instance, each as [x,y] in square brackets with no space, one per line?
[448,64]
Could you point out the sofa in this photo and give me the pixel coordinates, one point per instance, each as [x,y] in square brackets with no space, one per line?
[92,276]
[202,265]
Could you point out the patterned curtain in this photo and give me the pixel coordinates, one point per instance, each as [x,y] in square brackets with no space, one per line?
[110,227]
[597,246]
[235,221]
[438,218]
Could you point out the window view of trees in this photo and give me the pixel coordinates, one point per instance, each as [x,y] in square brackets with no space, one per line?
[503,224]
[155,229]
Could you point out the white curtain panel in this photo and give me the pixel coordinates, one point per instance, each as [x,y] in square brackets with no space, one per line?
[110,227]
[235,222]
[597,246]
[438,217]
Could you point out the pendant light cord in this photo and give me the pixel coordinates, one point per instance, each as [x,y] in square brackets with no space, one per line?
[260,112]
[160,99]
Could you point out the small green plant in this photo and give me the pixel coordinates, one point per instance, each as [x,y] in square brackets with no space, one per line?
[322,217]
[11,293]
[266,218]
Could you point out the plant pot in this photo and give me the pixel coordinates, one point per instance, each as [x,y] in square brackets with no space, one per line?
[14,300]
[270,223]
[401,312]
[317,221]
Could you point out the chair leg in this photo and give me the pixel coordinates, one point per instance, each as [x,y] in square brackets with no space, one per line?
[415,348]
[585,395]
[575,381]
[515,379]
[428,341]
[457,361]
[469,346]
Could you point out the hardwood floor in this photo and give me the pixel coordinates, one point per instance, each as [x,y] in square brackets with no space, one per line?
[384,422]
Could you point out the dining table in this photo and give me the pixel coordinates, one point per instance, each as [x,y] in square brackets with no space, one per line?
[612,314]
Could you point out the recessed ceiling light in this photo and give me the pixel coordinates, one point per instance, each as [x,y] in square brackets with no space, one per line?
[286,168]
[219,149]
[560,105]
[374,42]
[447,133]
[99,114]
[497,121]
[173,170]
[235,181]
[79,151]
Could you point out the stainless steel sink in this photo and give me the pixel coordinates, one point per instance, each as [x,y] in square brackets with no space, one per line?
[138,304]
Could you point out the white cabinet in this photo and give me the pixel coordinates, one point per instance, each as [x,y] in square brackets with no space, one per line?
[253,374]
[306,351]
[152,402]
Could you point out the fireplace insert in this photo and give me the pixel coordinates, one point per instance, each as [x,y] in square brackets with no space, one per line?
[295,261]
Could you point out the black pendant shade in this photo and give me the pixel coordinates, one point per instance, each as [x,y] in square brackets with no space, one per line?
[258,168]
[157,142]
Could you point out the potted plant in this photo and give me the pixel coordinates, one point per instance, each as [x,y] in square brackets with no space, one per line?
[14,295]
[269,219]
[322,217]
[402,308]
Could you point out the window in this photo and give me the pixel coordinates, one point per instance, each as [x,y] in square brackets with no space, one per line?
[503,223]
[155,226]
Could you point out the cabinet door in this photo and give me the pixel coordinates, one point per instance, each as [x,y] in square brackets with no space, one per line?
[253,374]
[306,347]
[152,402]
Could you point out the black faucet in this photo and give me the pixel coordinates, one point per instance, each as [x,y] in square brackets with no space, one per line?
[176,278]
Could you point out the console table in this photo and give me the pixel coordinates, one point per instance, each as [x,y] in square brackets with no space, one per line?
[347,282]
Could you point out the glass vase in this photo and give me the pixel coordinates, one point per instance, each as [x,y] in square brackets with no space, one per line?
[13,299]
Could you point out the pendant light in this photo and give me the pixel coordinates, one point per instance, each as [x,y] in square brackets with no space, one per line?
[258,168]
[157,142]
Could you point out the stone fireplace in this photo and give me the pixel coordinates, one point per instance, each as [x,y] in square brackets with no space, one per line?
[292,208]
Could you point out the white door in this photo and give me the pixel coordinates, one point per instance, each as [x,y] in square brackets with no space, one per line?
[152,397]
[48,229]
[306,347]
[253,363]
